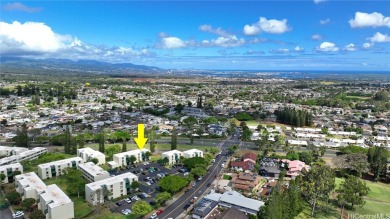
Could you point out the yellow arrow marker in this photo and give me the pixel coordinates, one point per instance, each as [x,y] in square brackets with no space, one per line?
[141,140]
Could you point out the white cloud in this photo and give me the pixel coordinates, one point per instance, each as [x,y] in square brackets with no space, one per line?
[251,30]
[230,41]
[39,40]
[367,45]
[374,19]
[272,26]
[327,47]
[325,21]
[298,49]
[30,37]
[350,47]
[172,43]
[16,6]
[210,29]
[316,37]
[318,1]
[379,38]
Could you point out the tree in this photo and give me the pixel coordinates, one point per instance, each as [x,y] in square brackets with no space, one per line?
[193,162]
[352,191]
[192,138]
[152,136]
[190,121]
[355,163]
[292,155]
[199,171]
[21,139]
[351,149]
[162,197]
[213,150]
[243,116]
[75,181]
[141,208]
[67,141]
[317,184]
[14,198]
[174,140]
[37,214]
[179,107]
[114,149]
[135,185]
[377,157]
[172,184]
[306,157]
[132,159]
[80,140]
[165,161]
[27,204]
[102,139]
[148,155]
[2,178]
[4,122]
[381,95]
[199,103]
[95,160]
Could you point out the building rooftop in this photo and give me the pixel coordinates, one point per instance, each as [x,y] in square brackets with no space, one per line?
[111,180]
[172,152]
[89,151]
[204,206]
[13,165]
[30,180]
[132,152]
[93,169]
[54,194]
[59,162]
[192,150]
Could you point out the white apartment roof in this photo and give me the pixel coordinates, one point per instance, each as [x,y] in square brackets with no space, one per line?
[132,152]
[93,169]
[21,155]
[172,152]
[17,149]
[192,151]
[110,181]
[60,162]
[13,166]
[90,151]
[30,180]
[56,195]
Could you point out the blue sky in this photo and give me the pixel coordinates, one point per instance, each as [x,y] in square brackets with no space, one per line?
[253,35]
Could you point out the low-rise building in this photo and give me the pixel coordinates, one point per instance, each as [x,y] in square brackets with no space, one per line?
[247,162]
[173,156]
[29,185]
[88,154]
[55,204]
[56,168]
[123,159]
[234,199]
[9,151]
[92,172]
[110,188]
[192,153]
[24,155]
[8,171]
[245,181]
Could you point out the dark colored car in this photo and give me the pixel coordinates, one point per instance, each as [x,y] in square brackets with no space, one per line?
[187,190]
[152,203]
[186,206]
[118,204]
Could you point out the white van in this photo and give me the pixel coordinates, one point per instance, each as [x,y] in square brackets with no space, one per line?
[223,165]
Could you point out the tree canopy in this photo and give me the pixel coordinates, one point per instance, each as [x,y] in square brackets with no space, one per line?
[172,184]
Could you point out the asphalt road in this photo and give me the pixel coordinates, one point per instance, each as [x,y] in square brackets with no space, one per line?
[6,213]
[175,209]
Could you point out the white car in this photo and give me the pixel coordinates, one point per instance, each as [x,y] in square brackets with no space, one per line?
[126,211]
[148,183]
[127,200]
[18,214]
[153,216]
[222,165]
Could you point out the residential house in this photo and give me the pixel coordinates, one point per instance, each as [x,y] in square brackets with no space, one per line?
[247,163]
[8,171]
[173,156]
[110,188]
[92,172]
[55,204]
[56,168]
[245,181]
[88,154]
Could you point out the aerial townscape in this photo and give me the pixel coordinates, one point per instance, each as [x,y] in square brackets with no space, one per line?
[231,120]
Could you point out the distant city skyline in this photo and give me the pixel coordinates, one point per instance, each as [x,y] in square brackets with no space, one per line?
[247,35]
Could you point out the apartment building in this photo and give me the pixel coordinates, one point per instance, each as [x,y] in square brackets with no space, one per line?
[56,168]
[123,159]
[88,154]
[92,172]
[29,185]
[173,156]
[55,204]
[9,151]
[192,153]
[110,188]
[8,171]
[24,155]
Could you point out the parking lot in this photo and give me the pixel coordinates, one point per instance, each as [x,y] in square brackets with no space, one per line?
[142,170]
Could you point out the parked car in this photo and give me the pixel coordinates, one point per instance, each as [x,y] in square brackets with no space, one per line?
[134,198]
[153,216]
[118,203]
[200,178]
[18,214]
[127,200]
[126,211]
[186,206]
[160,211]
[152,203]
[187,190]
